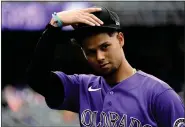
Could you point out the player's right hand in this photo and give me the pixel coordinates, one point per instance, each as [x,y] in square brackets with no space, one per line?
[73,17]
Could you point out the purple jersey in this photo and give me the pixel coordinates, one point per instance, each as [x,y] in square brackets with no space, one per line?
[139,101]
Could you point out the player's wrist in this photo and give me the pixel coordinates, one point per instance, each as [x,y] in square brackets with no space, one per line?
[53,23]
[56,21]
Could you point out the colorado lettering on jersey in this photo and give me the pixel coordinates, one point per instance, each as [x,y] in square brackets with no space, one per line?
[108,120]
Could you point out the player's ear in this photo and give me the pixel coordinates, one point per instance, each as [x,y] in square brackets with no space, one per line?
[120,37]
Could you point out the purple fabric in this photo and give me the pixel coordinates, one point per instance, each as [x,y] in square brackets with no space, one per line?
[139,101]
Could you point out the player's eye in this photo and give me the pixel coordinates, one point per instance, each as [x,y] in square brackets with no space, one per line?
[105,46]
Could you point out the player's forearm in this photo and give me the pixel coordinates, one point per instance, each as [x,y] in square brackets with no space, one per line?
[39,70]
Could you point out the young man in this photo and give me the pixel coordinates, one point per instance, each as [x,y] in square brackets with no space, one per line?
[120,96]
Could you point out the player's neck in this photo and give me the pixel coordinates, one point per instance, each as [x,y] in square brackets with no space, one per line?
[125,71]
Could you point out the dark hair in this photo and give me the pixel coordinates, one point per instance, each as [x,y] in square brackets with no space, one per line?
[81,35]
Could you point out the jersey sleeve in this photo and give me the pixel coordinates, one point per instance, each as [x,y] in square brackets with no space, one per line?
[71,84]
[169,109]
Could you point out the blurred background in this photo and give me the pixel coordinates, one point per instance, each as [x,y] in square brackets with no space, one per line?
[154,43]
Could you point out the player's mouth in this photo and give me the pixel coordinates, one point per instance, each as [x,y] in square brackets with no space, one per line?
[104,65]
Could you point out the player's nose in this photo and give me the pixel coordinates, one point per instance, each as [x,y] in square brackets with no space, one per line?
[100,56]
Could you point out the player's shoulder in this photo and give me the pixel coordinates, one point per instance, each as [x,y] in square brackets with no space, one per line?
[151,78]
[153,83]
[78,77]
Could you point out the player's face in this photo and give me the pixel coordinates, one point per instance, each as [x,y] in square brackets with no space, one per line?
[103,52]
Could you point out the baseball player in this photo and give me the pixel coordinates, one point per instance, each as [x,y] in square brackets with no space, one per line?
[118,95]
